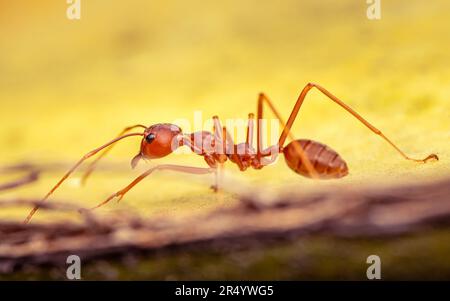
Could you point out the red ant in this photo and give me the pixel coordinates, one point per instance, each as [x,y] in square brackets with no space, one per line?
[306,157]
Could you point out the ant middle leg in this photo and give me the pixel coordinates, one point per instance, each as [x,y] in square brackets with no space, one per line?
[262,98]
[250,126]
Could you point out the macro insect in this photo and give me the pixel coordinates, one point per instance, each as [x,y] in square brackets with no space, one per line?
[305,157]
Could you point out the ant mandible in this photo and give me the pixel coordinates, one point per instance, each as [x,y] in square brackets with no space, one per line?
[306,157]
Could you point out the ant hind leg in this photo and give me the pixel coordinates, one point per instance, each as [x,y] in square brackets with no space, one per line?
[339,102]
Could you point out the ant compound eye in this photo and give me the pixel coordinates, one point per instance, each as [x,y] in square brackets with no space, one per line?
[150,137]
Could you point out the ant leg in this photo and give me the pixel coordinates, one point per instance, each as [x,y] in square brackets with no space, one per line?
[218,177]
[221,136]
[180,168]
[225,136]
[231,149]
[93,164]
[220,140]
[299,103]
[216,128]
[249,139]
[215,187]
[211,161]
[85,157]
[297,147]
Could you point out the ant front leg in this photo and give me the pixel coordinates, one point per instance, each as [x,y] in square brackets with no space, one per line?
[218,174]
[299,103]
[179,168]
[84,158]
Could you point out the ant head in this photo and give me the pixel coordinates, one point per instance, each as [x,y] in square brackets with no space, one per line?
[160,140]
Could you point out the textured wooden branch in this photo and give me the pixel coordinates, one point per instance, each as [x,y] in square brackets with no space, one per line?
[363,212]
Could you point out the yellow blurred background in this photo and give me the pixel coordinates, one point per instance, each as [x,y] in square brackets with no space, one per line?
[68,86]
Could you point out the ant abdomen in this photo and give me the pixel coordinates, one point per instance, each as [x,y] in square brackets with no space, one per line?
[326,162]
